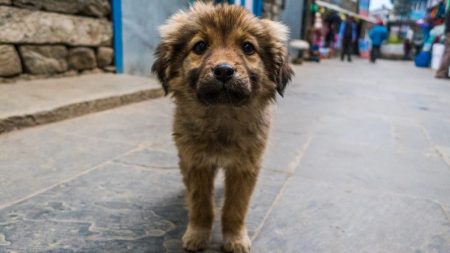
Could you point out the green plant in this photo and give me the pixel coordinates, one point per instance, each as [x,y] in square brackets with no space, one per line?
[394,39]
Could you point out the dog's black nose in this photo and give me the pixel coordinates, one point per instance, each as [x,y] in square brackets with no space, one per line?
[223,72]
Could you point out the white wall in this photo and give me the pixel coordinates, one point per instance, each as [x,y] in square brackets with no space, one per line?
[140,20]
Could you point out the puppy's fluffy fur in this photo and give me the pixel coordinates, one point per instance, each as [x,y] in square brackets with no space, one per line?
[222,118]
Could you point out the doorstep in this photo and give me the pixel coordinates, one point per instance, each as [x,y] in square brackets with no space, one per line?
[30,103]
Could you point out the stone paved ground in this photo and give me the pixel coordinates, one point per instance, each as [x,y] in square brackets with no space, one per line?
[359,161]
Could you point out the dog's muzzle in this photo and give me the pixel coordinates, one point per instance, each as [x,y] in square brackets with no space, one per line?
[223,87]
[217,92]
[222,93]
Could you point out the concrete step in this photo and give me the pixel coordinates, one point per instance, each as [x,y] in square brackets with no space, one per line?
[32,103]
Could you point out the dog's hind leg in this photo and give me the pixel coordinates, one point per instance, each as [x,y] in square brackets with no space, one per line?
[239,184]
[199,181]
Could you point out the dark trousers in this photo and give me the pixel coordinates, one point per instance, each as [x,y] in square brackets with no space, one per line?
[374,53]
[346,50]
[407,54]
[418,49]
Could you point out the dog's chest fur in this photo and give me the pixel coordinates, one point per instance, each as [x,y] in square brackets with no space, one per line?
[222,133]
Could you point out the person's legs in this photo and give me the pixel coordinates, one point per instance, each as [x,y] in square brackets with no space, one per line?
[408,53]
[417,51]
[346,50]
[372,54]
[343,50]
[376,53]
[349,51]
[442,72]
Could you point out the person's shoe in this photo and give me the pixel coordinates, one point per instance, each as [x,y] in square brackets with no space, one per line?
[442,76]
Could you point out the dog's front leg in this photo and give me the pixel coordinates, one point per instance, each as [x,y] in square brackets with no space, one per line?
[199,181]
[239,184]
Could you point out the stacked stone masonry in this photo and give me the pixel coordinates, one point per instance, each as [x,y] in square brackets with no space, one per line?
[45,38]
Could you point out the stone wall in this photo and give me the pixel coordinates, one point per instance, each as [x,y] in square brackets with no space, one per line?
[45,38]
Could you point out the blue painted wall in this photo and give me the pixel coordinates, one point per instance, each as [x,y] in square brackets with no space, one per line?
[118,42]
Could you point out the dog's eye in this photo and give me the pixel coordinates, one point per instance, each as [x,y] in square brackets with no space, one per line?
[200,47]
[248,48]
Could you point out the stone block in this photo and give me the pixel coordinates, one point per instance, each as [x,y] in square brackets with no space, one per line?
[92,71]
[38,27]
[9,61]
[82,58]
[360,164]
[104,56]
[96,8]
[38,158]
[5,1]
[44,59]
[313,216]
[110,69]
[112,209]
[144,124]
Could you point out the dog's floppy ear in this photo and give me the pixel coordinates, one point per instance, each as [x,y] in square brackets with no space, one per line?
[173,37]
[161,65]
[284,76]
[282,71]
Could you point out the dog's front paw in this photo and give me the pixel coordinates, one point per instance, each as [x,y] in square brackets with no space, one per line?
[196,239]
[237,243]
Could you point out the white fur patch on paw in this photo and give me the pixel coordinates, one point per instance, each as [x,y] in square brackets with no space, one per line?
[196,239]
[237,244]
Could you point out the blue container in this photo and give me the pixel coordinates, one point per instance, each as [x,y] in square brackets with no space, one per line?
[423,59]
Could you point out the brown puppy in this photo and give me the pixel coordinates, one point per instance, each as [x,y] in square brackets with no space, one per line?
[223,66]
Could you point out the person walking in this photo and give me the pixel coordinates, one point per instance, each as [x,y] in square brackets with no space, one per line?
[442,72]
[407,47]
[377,35]
[347,34]
[418,40]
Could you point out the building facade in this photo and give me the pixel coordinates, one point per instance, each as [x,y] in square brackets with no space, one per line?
[350,5]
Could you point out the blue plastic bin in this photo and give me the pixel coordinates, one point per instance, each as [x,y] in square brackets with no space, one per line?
[423,59]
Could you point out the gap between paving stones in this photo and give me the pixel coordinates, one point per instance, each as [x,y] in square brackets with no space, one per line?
[292,167]
[435,148]
[85,172]
[295,164]
[143,167]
